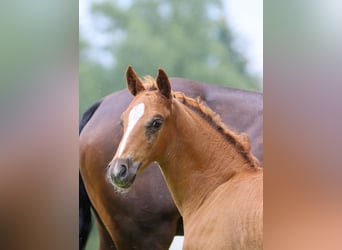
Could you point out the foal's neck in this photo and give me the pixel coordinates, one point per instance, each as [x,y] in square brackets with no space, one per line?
[201,160]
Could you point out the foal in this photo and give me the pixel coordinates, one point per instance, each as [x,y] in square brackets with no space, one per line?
[214,180]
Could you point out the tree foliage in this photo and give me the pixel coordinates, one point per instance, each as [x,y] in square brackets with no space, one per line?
[188,39]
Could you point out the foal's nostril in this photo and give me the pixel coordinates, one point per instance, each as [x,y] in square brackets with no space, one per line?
[123,171]
[119,172]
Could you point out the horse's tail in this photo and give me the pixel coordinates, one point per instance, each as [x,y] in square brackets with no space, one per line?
[84,215]
[84,202]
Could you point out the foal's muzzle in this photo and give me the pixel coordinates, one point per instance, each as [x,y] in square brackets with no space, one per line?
[122,172]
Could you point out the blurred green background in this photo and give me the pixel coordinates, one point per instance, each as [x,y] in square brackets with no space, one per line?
[189,39]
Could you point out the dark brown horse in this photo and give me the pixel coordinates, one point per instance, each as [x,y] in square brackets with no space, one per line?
[146,217]
[215,181]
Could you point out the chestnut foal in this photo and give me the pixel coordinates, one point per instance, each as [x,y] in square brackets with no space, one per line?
[214,179]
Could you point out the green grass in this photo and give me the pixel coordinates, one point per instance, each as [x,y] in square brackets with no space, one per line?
[93,240]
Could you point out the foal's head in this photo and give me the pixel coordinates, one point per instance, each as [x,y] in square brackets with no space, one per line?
[145,128]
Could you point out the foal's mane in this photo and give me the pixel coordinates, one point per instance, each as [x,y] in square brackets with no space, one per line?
[241,141]
[149,83]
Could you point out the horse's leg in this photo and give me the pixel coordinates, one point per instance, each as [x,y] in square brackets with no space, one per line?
[105,241]
[84,202]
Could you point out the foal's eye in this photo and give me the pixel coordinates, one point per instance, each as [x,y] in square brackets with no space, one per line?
[155,124]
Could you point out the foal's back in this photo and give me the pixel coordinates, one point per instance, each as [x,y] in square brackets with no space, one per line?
[231,217]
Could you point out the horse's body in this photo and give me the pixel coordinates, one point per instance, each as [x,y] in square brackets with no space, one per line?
[214,179]
[146,217]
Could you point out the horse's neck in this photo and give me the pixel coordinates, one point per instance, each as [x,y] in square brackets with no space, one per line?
[199,159]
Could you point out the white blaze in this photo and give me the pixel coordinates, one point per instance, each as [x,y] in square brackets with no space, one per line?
[133,117]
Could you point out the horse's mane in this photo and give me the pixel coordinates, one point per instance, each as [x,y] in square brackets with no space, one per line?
[240,141]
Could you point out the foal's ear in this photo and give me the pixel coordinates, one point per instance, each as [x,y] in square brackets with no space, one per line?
[163,83]
[133,82]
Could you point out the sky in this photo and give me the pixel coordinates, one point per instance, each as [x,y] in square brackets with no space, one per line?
[244,17]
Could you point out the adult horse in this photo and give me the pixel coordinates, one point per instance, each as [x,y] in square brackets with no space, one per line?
[214,179]
[146,217]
